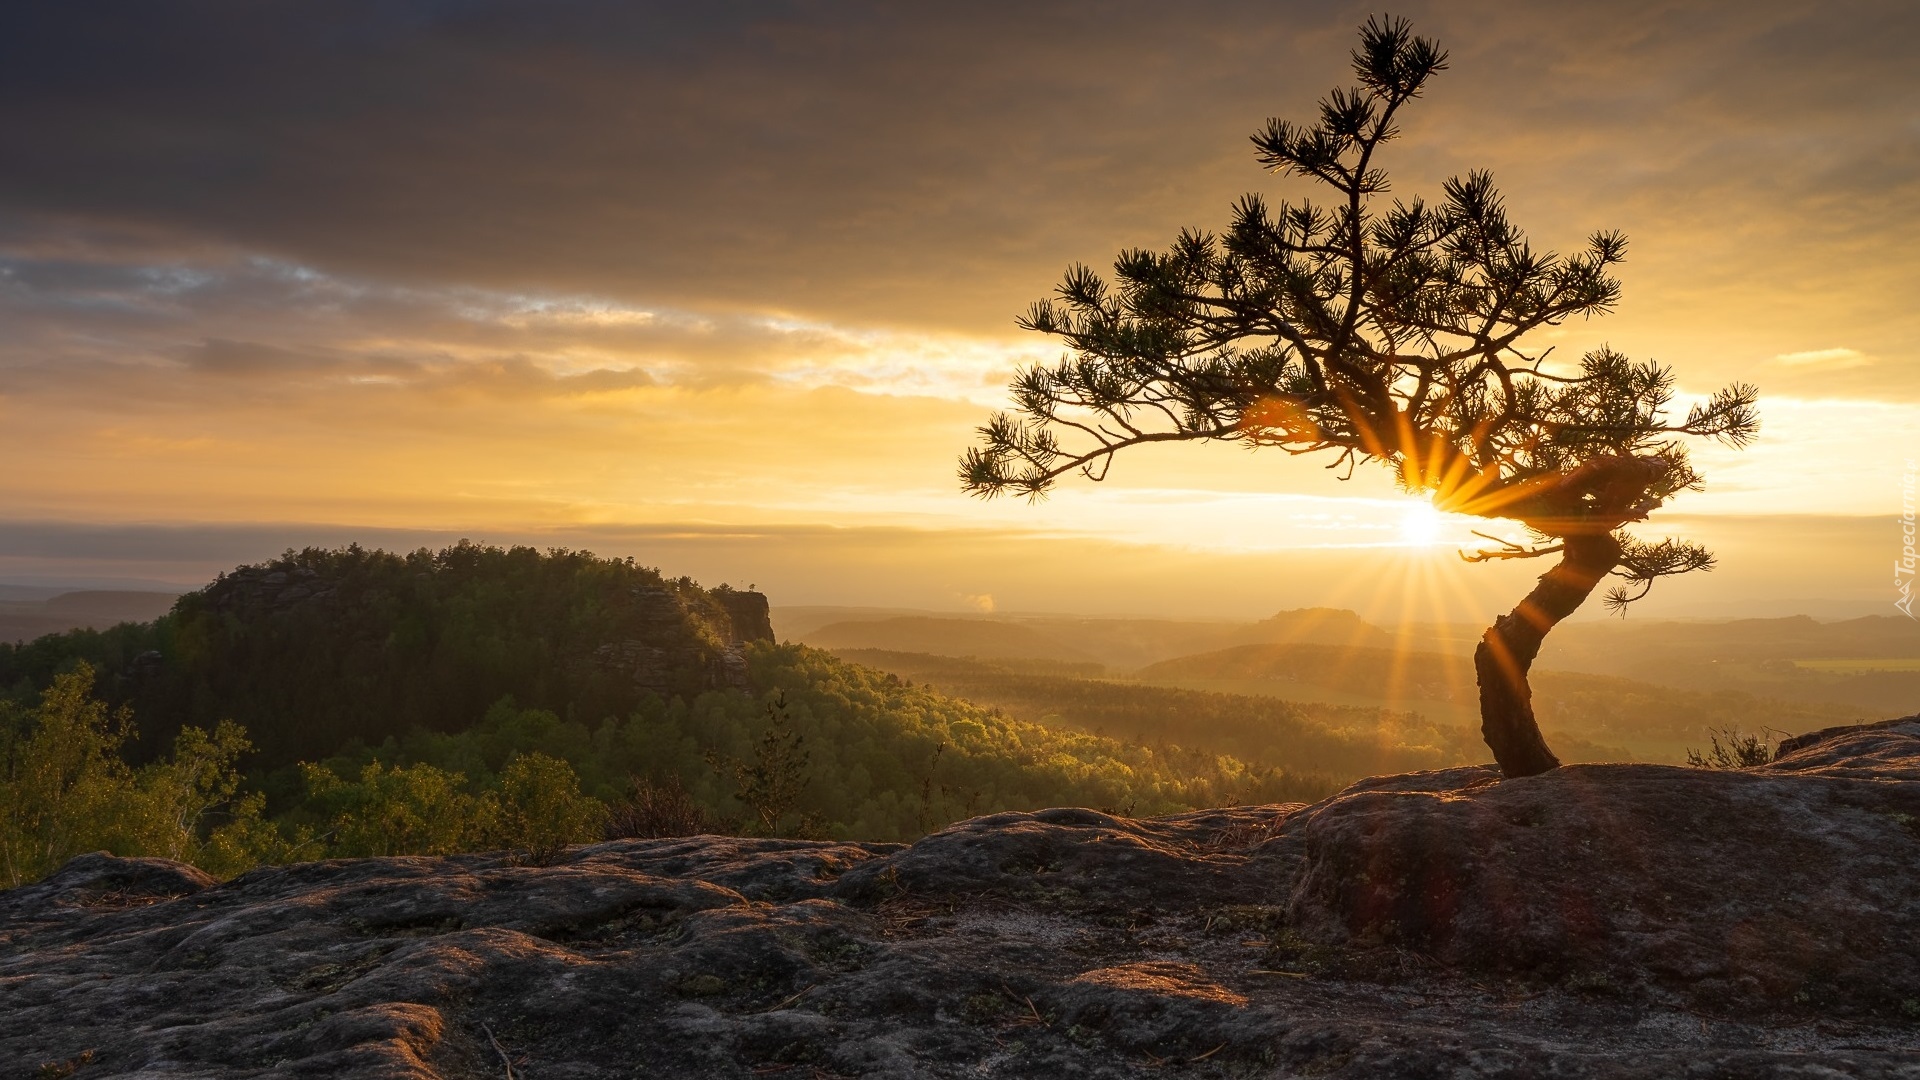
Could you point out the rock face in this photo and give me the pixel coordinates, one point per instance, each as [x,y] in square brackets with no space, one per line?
[749,613]
[256,589]
[1595,921]
[667,659]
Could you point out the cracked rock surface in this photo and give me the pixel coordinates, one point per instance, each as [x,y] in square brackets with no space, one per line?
[1596,921]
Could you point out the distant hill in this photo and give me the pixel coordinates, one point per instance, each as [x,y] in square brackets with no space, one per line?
[1332,739]
[90,609]
[793,622]
[948,637]
[1314,626]
[1122,644]
[1616,643]
[1866,666]
[1790,658]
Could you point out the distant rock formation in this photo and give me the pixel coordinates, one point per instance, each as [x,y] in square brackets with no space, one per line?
[1313,626]
[666,659]
[1603,921]
[748,612]
[249,589]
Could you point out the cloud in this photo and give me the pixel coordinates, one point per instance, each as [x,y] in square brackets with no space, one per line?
[687,190]
[220,357]
[77,322]
[866,162]
[1831,359]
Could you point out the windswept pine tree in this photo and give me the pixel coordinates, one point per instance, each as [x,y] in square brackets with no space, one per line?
[1381,331]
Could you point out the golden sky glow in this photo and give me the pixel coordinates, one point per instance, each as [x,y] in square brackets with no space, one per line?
[729,293]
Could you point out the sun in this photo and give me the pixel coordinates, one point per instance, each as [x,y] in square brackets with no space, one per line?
[1421,525]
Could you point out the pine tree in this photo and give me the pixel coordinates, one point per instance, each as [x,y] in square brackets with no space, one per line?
[1387,332]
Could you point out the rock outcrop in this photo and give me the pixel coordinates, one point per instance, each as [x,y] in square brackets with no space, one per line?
[748,612]
[686,641]
[1595,921]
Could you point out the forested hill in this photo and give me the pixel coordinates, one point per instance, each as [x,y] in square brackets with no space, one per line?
[319,647]
[352,702]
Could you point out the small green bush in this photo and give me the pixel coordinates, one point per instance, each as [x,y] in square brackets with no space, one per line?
[398,810]
[538,809]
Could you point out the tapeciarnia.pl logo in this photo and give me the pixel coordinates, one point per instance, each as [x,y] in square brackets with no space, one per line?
[1904,565]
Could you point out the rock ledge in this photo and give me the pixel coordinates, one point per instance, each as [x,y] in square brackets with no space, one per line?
[1596,921]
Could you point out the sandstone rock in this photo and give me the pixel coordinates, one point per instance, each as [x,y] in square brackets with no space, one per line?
[688,643]
[101,880]
[1595,922]
[749,613]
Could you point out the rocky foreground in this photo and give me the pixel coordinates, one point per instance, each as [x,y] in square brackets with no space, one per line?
[1596,921]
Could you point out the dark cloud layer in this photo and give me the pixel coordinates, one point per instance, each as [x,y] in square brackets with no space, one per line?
[901,163]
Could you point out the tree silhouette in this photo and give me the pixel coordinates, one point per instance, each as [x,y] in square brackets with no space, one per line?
[772,783]
[1387,333]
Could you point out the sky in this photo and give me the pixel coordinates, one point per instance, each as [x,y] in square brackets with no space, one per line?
[727,287]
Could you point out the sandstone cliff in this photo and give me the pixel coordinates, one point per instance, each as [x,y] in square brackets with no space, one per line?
[1596,921]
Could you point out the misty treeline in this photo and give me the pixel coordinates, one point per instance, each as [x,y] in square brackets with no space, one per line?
[1593,717]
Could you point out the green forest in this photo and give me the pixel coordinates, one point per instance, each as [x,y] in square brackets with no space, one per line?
[464,700]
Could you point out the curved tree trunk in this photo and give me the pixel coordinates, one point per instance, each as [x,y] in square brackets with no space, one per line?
[1507,650]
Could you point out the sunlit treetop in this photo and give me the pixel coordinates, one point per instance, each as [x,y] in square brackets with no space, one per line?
[1369,328]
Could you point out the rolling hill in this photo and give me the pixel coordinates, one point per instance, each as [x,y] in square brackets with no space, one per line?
[1797,658]
[1119,643]
[23,618]
[1779,673]
[991,638]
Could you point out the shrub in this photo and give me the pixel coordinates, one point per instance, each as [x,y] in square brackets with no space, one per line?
[1739,750]
[538,809]
[654,810]
[403,810]
[65,790]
